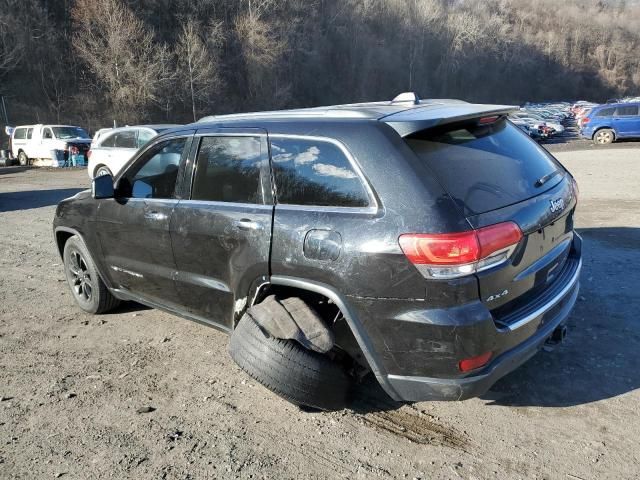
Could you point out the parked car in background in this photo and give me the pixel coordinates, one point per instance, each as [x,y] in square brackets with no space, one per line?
[609,122]
[116,146]
[537,119]
[29,142]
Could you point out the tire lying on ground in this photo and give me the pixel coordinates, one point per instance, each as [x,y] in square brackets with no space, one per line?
[285,367]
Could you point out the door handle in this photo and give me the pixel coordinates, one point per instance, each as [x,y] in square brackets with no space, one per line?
[246,224]
[155,216]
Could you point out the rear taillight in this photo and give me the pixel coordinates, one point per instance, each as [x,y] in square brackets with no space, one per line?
[585,120]
[452,255]
[88,154]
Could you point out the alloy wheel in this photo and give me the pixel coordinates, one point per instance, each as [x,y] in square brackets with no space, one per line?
[603,137]
[82,283]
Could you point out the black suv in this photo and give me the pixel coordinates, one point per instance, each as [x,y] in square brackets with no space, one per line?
[428,242]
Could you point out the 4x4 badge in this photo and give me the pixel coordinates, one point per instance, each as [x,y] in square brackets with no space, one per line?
[557,205]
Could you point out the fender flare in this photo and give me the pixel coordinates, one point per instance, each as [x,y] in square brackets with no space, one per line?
[76,233]
[352,320]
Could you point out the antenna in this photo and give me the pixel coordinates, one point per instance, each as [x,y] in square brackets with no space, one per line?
[407,97]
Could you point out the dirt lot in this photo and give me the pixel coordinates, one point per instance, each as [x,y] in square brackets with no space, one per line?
[72,384]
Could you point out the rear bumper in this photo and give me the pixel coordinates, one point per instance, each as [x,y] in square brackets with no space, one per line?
[548,318]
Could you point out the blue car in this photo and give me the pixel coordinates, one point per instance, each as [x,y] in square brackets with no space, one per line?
[607,123]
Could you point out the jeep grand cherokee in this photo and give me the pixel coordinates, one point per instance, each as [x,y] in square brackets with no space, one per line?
[429,242]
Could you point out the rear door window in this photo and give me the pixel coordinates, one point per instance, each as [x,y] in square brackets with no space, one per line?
[109,141]
[627,111]
[606,112]
[315,172]
[485,167]
[229,169]
[126,139]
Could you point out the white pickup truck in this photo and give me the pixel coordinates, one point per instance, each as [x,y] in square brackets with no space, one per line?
[31,142]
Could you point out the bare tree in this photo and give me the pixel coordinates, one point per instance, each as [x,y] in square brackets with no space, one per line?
[198,62]
[121,53]
[261,48]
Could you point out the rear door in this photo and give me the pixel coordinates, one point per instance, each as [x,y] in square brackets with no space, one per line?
[627,121]
[495,173]
[221,231]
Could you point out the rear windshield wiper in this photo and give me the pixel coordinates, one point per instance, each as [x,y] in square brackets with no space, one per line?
[542,180]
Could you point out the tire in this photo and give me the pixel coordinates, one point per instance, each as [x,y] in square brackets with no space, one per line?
[87,288]
[23,159]
[604,136]
[300,376]
[102,170]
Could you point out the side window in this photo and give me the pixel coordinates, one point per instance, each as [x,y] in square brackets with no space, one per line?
[144,136]
[228,169]
[314,172]
[46,134]
[109,141]
[20,134]
[606,112]
[154,175]
[627,111]
[126,139]
[29,133]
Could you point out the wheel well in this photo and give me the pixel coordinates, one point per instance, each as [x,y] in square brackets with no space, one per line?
[61,239]
[97,167]
[329,312]
[603,128]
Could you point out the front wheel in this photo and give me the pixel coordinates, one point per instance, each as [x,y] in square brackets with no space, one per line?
[604,136]
[88,289]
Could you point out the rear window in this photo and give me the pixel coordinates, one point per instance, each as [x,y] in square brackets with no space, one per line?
[484,168]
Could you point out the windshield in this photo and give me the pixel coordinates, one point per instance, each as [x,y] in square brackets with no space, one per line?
[485,167]
[65,133]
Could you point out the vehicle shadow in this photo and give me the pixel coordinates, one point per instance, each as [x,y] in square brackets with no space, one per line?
[14,169]
[12,201]
[600,356]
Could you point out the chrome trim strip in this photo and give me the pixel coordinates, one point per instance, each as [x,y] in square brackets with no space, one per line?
[548,306]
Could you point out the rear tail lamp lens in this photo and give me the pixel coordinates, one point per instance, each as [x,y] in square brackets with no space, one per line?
[452,255]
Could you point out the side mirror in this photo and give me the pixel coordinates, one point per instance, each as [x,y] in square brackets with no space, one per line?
[102,187]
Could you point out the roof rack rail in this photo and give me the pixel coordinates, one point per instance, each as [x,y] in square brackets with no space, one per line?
[407,97]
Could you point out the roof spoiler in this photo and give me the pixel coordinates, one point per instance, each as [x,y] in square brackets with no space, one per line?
[411,121]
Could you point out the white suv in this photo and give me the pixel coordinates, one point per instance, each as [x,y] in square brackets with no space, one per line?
[113,149]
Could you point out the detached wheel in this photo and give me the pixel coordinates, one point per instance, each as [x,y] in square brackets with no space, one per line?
[88,289]
[604,136]
[23,159]
[285,367]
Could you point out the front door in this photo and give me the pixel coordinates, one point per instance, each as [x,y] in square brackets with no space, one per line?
[222,232]
[133,228]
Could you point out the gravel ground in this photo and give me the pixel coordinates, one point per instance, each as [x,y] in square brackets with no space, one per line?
[142,394]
